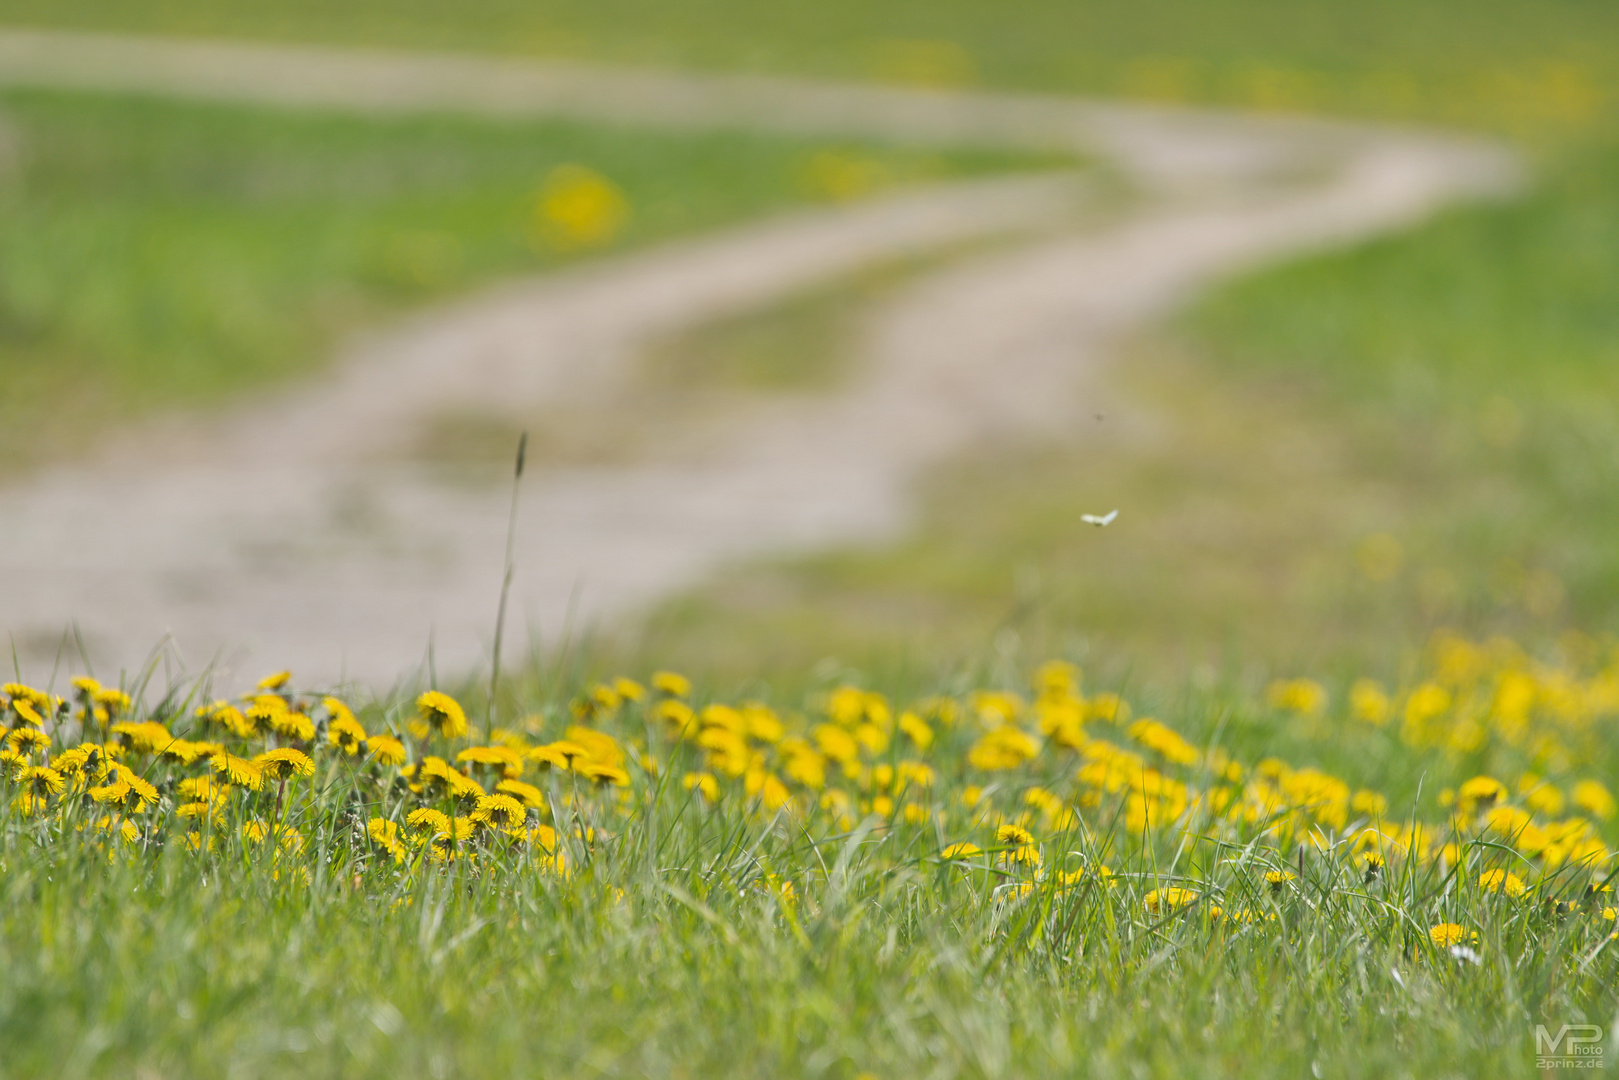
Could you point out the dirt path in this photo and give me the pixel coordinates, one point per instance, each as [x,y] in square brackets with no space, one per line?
[299,534]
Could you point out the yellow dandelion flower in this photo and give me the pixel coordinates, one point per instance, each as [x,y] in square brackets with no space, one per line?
[263,713]
[527,794]
[187,752]
[428,820]
[561,754]
[704,784]
[196,809]
[462,786]
[284,763]
[88,759]
[916,729]
[1027,854]
[345,733]
[762,722]
[505,758]
[1447,934]
[443,714]
[337,709]
[1164,741]
[435,773]
[578,207]
[1369,803]
[605,774]
[916,815]
[25,740]
[962,850]
[272,683]
[461,828]
[671,683]
[292,725]
[238,771]
[1163,901]
[1277,878]
[836,743]
[1592,797]
[223,714]
[601,747]
[202,787]
[1368,702]
[126,789]
[1004,747]
[42,780]
[148,737]
[385,834]
[1502,881]
[1479,793]
[386,749]
[17,691]
[123,827]
[1014,834]
[1305,696]
[1057,679]
[499,811]
[677,714]
[287,838]
[628,689]
[1099,872]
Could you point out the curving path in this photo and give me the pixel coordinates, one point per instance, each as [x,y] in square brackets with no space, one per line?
[302,534]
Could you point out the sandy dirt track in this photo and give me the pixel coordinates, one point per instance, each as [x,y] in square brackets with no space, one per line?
[297,534]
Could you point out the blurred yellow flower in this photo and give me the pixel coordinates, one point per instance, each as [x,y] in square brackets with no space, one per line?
[1501,881]
[1447,934]
[1161,901]
[578,207]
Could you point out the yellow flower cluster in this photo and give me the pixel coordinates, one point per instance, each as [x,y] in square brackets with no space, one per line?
[1041,787]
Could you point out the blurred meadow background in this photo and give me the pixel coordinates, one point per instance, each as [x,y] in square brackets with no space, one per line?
[825,840]
[1350,451]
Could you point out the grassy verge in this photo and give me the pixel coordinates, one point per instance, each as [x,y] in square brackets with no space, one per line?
[1528,68]
[982,878]
[156,255]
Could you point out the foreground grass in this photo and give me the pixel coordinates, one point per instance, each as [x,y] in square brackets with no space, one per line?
[157,255]
[675,885]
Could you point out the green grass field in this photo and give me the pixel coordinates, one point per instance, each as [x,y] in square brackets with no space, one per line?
[986,877]
[1530,68]
[1401,868]
[157,255]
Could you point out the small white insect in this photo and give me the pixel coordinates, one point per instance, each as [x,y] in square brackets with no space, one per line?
[1099,519]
